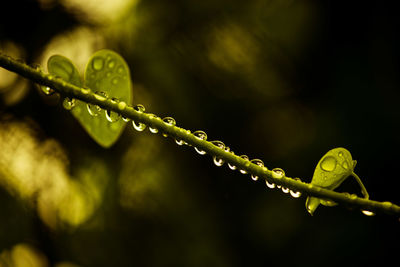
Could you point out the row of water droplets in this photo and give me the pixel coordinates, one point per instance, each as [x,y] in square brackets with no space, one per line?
[277,173]
[95,110]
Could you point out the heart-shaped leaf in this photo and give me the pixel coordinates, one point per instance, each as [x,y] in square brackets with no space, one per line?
[107,74]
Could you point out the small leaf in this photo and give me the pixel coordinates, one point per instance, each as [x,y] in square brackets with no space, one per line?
[107,74]
[63,67]
[332,169]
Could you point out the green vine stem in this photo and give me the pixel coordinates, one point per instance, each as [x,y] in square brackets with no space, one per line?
[244,165]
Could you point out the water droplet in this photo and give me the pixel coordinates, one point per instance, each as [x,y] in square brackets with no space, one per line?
[126,119]
[153,130]
[258,162]
[368,213]
[100,95]
[353,196]
[138,126]
[203,136]
[93,110]
[120,70]
[245,158]
[111,64]
[201,152]
[270,185]
[285,190]
[217,161]
[122,105]
[114,100]
[85,90]
[115,80]
[295,194]
[231,166]
[179,142]
[108,74]
[345,165]
[170,121]
[98,63]
[200,135]
[328,164]
[219,144]
[47,90]
[36,66]
[139,108]
[340,154]
[278,173]
[112,116]
[69,103]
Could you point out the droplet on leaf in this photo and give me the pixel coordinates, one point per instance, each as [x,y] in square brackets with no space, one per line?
[328,164]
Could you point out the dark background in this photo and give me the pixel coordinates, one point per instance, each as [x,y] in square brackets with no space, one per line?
[284,81]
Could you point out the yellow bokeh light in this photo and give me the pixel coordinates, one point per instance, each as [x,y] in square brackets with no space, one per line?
[232,48]
[23,255]
[37,172]
[101,12]
[12,87]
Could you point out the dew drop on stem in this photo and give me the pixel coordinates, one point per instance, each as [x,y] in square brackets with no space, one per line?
[139,108]
[47,90]
[85,90]
[278,173]
[112,116]
[138,126]
[270,185]
[202,136]
[100,95]
[179,142]
[245,157]
[368,213]
[218,161]
[258,162]
[293,193]
[285,190]
[69,103]
[169,121]
[231,166]
[93,110]
[152,129]
[122,105]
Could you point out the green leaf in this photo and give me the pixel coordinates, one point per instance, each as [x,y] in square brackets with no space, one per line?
[332,169]
[64,68]
[106,72]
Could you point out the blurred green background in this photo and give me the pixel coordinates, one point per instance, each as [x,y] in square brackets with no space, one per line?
[279,80]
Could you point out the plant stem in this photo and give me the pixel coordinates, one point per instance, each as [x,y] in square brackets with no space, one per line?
[178,133]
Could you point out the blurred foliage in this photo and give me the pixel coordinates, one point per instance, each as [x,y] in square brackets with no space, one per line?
[280,80]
